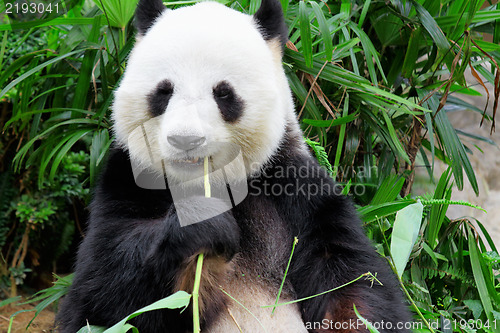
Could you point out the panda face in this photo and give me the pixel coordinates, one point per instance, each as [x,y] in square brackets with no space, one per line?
[202,82]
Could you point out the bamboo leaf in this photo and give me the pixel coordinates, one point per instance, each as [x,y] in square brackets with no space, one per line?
[332,122]
[324,29]
[432,27]
[437,213]
[476,260]
[370,54]
[305,33]
[118,12]
[35,70]
[73,138]
[411,55]
[48,22]
[405,234]
[373,212]
[83,83]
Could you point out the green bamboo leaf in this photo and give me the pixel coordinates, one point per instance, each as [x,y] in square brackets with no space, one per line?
[37,69]
[474,6]
[83,83]
[352,81]
[365,322]
[345,9]
[404,234]
[432,27]
[92,329]
[98,148]
[305,33]
[487,236]
[118,12]
[21,154]
[347,36]
[284,5]
[370,54]
[342,50]
[364,11]
[324,29]
[50,110]
[412,52]
[176,301]
[484,16]
[17,65]
[50,151]
[253,6]
[388,190]
[49,22]
[437,213]
[477,137]
[10,300]
[2,50]
[496,29]
[74,137]
[371,213]
[394,138]
[332,122]
[341,138]
[456,152]
[476,261]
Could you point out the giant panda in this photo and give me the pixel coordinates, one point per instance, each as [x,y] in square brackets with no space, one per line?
[206,83]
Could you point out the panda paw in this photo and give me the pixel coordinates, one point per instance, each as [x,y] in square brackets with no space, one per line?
[214,230]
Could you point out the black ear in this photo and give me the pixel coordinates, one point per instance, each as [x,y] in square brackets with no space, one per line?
[271,21]
[146,13]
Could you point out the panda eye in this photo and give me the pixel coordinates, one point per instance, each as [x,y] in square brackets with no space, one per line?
[229,102]
[159,98]
[165,88]
[223,91]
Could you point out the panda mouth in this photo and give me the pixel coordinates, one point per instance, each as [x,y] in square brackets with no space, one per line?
[190,162]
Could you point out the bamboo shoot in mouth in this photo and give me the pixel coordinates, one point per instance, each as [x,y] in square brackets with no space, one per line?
[206,178]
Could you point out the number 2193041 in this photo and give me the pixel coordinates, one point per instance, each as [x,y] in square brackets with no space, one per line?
[31,8]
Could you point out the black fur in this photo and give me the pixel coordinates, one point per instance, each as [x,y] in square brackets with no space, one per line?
[135,247]
[146,13]
[229,103]
[132,252]
[159,98]
[271,21]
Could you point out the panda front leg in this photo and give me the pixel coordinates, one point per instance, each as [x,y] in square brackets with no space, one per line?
[126,264]
[333,252]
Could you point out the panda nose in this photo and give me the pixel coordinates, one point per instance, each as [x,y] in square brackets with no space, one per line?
[185,142]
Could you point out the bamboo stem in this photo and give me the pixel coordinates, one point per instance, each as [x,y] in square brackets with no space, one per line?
[196,290]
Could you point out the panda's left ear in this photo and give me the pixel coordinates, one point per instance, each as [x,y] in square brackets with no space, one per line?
[146,13]
[271,21]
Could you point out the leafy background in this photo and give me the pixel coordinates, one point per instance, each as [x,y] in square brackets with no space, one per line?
[374,82]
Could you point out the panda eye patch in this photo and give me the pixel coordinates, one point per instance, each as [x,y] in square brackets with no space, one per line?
[229,103]
[223,90]
[165,87]
[159,98]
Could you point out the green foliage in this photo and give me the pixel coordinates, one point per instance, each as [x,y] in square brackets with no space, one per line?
[175,301]
[41,221]
[404,234]
[373,82]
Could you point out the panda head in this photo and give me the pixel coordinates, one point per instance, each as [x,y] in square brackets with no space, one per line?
[204,81]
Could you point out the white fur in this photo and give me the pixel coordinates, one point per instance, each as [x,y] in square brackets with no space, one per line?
[195,48]
[246,311]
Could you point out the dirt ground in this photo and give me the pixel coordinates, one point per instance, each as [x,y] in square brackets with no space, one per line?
[42,324]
